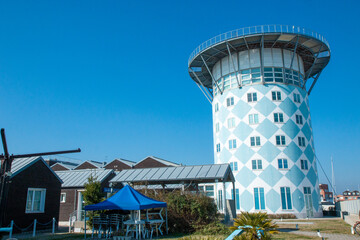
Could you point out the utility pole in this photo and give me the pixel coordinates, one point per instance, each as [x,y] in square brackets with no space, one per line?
[5,171]
[333,178]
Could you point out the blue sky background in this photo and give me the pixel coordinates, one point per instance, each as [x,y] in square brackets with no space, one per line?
[111,77]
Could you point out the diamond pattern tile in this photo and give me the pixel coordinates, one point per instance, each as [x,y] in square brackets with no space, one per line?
[266,128]
[293,151]
[298,195]
[295,175]
[265,106]
[268,151]
[271,175]
[272,200]
[288,107]
[291,129]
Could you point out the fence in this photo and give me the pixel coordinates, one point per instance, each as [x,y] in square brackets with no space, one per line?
[12,226]
[350,206]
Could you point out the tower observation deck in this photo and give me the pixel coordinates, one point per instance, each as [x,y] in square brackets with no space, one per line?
[258,80]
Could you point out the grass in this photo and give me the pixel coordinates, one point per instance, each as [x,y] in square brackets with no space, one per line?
[325,226]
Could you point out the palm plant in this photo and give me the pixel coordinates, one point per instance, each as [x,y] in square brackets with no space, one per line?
[254,224]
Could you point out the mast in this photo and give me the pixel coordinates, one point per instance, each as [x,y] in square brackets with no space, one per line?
[333,177]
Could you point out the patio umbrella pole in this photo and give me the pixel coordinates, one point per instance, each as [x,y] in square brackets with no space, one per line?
[167,229]
[85,224]
[139,224]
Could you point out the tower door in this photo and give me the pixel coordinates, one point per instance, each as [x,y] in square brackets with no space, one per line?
[308,202]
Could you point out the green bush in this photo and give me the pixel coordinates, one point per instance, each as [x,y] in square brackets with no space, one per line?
[187,212]
[282,216]
[214,228]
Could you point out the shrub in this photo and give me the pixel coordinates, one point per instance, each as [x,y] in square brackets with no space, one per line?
[256,221]
[187,212]
[282,216]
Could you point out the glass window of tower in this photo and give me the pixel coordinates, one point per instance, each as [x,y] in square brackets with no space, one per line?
[276,95]
[299,119]
[230,101]
[253,118]
[252,97]
[279,117]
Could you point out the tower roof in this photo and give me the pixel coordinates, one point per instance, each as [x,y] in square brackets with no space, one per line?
[311,46]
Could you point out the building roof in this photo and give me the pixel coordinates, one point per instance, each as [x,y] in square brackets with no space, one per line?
[311,46]
[67,165]
[127,162]
[94,163]
[174,175]
[163,161]
[20,164]
[78,178]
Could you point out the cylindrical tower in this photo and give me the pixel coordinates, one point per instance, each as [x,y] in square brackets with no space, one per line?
[258,80]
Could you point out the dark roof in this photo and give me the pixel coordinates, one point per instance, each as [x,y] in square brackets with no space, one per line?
[20,164]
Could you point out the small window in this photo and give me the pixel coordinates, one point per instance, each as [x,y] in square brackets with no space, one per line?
[256,164]
[216,107]
[253,118]
[259,198]
[218,147]
[276,95]
[35,201]
[63,197]
[231,122]
[304,164]
[232,143]
[307,190]
[217,127]
[255,141]
[278,117]
[280,140]
[230,101]
[282,163]
[301,141]
[252,97]
[285,198]
[299,119]
[234,166]
[296,98]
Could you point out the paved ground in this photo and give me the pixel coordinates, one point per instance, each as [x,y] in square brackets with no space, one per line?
[330,236]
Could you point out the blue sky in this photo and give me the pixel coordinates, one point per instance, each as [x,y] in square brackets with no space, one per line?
[111,77]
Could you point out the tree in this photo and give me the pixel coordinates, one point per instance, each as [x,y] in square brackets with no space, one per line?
[254,222]
[92,195]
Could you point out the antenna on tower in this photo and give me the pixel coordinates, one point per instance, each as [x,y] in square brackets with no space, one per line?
[333,175]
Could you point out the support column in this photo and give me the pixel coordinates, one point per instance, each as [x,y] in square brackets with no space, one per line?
[224,201]
[234,193]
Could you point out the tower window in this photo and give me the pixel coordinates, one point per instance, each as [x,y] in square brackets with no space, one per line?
[252,97]
[259,198]
[231,122]
[216,107]
[285,198]
[253,118]
[232,143]
[234,166]
[299,119]
[230,101]
[278,117]
[255,141]
[256,164]
[280,140]
[296,98]
[282,163]
[301,141]
[218,147]
[217,127]
[276,95]
[304,164]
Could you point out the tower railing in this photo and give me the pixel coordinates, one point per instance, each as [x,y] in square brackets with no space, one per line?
[255,30]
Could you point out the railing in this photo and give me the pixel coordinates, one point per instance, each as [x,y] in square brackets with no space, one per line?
[255,30]
[76,216]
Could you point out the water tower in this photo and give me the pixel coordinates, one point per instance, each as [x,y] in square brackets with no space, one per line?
[258,80]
